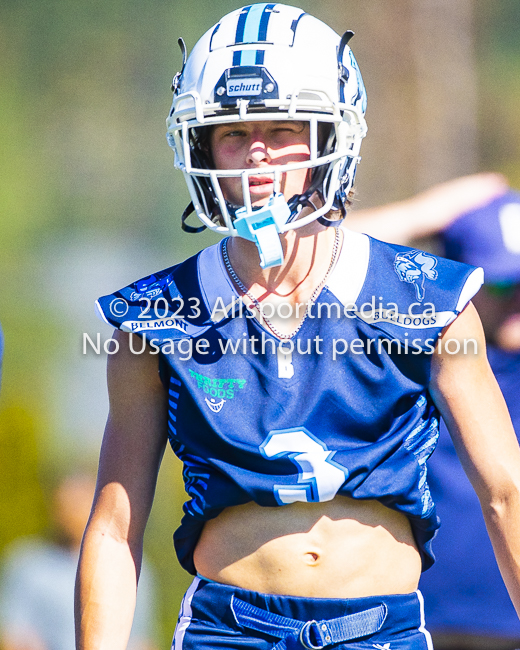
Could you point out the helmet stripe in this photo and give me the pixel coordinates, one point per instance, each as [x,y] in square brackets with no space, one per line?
[239,36]
[252,26]
[264,22]
[248,57]
[252,23]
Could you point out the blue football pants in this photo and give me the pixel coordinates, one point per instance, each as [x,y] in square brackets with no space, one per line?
[217,616]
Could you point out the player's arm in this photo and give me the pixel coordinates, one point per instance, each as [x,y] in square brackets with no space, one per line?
[131,453]
[468,397]
[428,212]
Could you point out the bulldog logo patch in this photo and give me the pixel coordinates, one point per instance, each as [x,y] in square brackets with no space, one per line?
[414,267]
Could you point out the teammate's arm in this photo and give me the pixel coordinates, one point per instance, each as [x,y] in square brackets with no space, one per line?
[428,212]
[468,397]
[131,453]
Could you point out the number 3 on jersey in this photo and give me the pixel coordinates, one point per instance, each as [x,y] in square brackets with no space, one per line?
[319,478]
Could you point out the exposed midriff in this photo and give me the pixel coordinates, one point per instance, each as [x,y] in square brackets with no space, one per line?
[343,548]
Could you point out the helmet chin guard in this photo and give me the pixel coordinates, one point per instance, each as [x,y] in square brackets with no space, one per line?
[269,62]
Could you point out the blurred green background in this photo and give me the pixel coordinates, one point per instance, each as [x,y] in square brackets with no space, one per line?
[89,200]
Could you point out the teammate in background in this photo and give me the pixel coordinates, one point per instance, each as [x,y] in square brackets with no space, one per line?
[37,581]
[429,212]
[466,603]
[310,517]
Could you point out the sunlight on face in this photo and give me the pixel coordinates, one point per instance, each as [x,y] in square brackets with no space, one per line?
[259,145]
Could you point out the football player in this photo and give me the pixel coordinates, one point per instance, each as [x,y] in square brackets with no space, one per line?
[297,370]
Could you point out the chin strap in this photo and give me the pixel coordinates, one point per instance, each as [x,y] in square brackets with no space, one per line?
[299,201]
[263,227]
[333,223]
[265,224]
[185,226]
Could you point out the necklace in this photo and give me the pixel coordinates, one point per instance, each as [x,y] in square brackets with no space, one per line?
[257,303]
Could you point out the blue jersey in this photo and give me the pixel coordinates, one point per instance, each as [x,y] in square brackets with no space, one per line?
[341,408]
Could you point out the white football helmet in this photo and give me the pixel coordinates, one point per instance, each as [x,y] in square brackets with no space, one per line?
[268,62]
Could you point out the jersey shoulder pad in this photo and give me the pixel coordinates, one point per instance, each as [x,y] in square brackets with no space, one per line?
[421,292]
[160,306]
[402,291]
